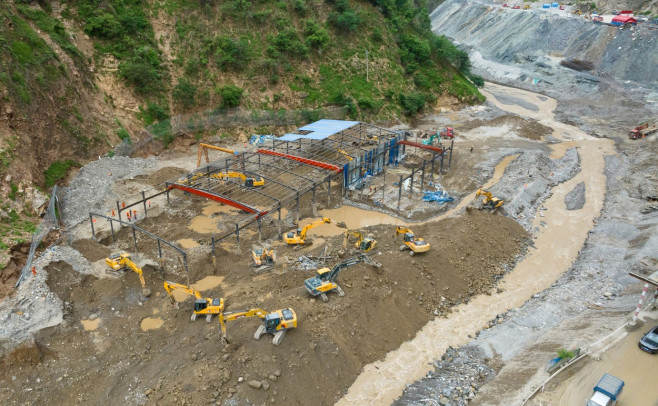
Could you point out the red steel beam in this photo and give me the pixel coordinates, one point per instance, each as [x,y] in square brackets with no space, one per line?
[307,161]
[423,146]
[215,197]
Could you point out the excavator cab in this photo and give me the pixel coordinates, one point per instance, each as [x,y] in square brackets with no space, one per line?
[367,244]
[408,237]
[272,320]
[249,182]
[201,305]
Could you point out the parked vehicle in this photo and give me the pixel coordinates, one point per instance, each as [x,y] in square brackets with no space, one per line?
[607,391]
[649,342]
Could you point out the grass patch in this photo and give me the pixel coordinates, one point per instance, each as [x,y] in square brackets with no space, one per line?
[57,170]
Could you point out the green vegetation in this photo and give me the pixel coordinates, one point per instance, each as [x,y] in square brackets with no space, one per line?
[152,113]
[123,30]
[231,96]
[57,170]
[566,354]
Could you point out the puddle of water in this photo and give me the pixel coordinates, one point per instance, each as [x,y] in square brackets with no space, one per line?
[204,225]
[213,207]
[208,282]
[323,230]
[90,325]
[151,323]
[188,243]
[556,247]
[356,218]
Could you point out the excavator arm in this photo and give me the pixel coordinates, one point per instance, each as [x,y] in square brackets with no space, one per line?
[171,286]
[344,264]
[309,226]
[130,264]
[224,317]
[402,230]
[348,233]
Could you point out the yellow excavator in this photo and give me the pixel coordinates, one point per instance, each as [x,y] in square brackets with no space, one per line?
[248,182]
[415,244]
[324,280]
[299,236]
[363,244]
[202,306]
[277,322]
[348,156]
[264,259]
[489,202]
[122,261]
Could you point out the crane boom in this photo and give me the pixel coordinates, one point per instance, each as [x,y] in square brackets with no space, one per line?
[203,148]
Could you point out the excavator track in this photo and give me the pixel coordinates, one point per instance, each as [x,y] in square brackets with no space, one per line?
[340,291]
[259,332]
[278,337]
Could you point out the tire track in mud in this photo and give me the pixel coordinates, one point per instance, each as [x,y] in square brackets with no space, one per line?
[557,243]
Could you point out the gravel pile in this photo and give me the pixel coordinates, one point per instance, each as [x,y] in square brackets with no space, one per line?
[575,200]
[91,188]
[454,382]
[536,175]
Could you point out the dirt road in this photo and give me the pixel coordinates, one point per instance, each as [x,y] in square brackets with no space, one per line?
[559,239]
[624,359]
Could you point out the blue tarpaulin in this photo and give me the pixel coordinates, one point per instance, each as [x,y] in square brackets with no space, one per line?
[260,139]
[440,197]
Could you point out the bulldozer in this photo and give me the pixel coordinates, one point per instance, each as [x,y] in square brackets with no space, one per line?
[248,182]
[324,280]
[122,261]
[362,244]
[299,236]
[415,244]
[202,306]
[277,322]
[264,259]
[489,202]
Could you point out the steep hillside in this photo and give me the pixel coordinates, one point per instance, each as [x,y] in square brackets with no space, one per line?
[80,76]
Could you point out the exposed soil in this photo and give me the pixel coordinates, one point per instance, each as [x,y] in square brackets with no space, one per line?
[12,271]
[529,129]
[472,250]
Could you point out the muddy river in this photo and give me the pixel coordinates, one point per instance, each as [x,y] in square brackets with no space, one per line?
[561,236]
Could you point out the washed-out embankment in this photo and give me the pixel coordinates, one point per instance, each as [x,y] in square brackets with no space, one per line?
[526,46]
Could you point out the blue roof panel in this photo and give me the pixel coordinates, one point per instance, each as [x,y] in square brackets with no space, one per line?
[321,129]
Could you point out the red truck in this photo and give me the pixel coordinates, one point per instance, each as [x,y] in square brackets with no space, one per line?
[642,131]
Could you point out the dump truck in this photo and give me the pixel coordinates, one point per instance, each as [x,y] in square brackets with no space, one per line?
[607,391]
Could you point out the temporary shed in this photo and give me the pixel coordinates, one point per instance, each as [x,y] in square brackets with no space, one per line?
[623,19]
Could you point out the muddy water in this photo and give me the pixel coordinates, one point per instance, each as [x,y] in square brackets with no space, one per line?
[151,323]
[556,246]
[207,283]
[204,225]
[213,207]
[90,325]
[188,243]
[355,217]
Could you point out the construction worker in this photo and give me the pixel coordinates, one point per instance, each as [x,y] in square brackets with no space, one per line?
[123,205]
[112,212]
[34,271]
[135,214]
[128,215]
[471,149]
